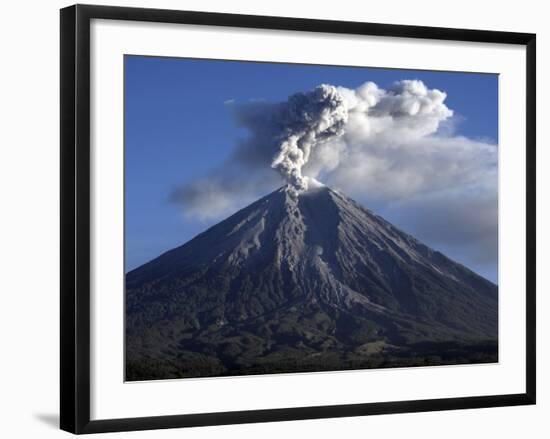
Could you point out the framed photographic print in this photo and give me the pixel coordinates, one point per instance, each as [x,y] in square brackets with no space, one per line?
[267,218]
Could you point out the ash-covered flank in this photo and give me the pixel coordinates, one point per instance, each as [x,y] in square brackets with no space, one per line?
[304,283]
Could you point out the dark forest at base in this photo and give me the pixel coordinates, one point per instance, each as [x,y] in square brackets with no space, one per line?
[193,364]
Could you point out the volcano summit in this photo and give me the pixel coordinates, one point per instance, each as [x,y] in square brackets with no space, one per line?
[304,283]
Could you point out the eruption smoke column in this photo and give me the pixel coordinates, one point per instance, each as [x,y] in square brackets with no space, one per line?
[308,119]
[350,135]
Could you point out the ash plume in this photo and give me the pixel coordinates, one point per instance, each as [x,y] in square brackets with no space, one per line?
[328,123]
[307,119]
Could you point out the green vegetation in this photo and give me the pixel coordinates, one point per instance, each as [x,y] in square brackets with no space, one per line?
[290,359]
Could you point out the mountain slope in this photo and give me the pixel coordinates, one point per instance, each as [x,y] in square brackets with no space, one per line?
[309,283]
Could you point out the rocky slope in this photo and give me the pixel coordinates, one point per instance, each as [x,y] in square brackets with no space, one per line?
[314,282]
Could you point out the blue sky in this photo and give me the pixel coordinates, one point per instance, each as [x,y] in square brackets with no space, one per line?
[178,129]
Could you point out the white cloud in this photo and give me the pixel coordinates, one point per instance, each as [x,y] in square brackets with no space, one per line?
[389,172]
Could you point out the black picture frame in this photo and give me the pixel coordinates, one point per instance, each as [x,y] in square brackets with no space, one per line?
[75,218]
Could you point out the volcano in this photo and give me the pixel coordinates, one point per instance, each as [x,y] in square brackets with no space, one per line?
[304,283]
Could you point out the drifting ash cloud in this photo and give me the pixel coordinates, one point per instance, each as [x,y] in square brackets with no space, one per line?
[319,131]
[391,149]
[223,192]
